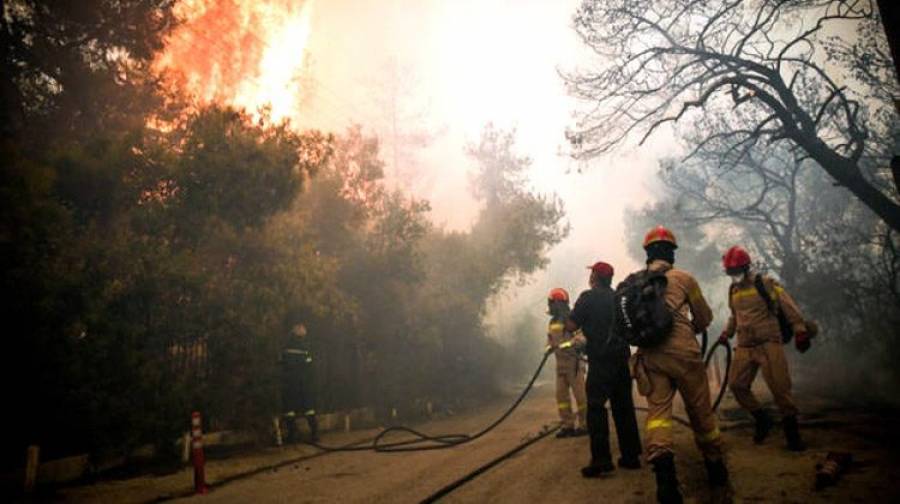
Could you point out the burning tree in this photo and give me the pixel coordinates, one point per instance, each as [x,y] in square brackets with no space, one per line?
[778,62]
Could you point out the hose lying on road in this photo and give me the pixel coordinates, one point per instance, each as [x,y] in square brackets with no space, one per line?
[447,440]
[447,489]
[422,441]
[484,468]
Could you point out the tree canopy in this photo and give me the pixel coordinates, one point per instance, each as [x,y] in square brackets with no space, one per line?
[773,71]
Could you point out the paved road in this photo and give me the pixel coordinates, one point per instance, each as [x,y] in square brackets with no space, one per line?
[547,471]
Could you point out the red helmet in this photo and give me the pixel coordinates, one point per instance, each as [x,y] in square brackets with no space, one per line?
[659,234]
[601,268]
[558,294]
[736,257]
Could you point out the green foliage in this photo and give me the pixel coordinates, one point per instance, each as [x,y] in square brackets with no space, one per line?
[71,67]
[150,272]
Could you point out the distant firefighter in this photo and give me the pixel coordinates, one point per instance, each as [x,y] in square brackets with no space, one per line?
[569,367]
[297,384]
[608,378]
[764,316]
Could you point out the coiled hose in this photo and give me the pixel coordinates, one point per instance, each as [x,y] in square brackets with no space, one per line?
[438,442]
[423,442]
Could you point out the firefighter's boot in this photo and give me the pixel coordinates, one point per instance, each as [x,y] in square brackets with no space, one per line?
[763,425]
[313,428]
[290,424]
[716,472]
[720,488]
[792,434]
[666,480]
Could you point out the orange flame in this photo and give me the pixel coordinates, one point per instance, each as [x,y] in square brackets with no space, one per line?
[245,53]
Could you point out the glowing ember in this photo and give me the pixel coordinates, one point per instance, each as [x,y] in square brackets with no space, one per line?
[247,53]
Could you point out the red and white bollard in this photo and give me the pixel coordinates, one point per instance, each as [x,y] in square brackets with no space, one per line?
[197,456]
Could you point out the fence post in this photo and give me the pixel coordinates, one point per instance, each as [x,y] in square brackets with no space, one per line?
[186,447]
[32,461]
[197,454]
[276,423]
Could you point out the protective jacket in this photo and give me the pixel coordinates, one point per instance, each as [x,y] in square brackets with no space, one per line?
[564,343]
[752,319]
[689,309]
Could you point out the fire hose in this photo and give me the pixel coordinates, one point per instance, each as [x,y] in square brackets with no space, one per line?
[728,356]
[422,442]
[443,441]
[447,489]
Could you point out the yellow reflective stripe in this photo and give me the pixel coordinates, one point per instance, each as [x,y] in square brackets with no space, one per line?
[559,326]
[744,293]
[567,344]
[695,294]
[309,359]
[564,405]
[659,423]
[708,436]
[778,291]
[290,414]
[310,412]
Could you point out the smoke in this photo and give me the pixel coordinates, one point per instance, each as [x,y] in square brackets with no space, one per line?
[425,77]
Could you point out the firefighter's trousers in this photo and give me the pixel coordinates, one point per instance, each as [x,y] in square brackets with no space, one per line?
[770,358]
[659,376]
[608,379]
[570,382]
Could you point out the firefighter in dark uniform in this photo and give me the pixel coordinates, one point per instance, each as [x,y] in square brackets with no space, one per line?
[608,377]
[297,391]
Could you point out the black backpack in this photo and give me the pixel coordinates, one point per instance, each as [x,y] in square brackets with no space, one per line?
[642,317]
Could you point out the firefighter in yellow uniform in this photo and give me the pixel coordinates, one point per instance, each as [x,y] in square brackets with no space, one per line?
[676,365]
[756,302]
[569,367]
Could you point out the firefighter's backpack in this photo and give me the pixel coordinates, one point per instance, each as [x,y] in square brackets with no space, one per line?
[641,316]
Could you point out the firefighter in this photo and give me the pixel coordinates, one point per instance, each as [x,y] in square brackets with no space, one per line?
[569,366]
[676,365]
[608,377]
[297,390]
[760,343]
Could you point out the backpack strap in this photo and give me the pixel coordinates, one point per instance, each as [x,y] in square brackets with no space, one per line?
[731,289]
[764,294]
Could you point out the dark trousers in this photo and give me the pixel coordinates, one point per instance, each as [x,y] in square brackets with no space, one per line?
[609,380]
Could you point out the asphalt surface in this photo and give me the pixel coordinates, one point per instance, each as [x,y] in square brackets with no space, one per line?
[548,470]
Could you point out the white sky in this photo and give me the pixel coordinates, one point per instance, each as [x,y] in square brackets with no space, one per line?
[465,63]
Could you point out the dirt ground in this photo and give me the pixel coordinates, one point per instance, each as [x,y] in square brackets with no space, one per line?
[547,471]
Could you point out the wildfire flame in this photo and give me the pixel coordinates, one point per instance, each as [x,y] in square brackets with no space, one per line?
[245,53]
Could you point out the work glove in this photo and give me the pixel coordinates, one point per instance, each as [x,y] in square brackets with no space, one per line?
[580,341]
[801,341]
[723,338]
